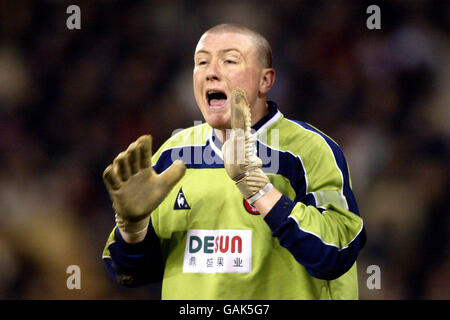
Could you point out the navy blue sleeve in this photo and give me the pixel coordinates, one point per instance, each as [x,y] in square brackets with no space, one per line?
[320,259]
[135,264]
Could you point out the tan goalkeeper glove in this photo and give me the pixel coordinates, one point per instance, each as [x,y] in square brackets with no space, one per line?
[239,152]
[135,188]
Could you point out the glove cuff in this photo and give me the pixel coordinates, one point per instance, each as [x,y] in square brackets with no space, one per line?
[260,193]
[133,229]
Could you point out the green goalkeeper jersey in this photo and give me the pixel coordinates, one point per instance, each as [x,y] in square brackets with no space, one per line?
[206,242]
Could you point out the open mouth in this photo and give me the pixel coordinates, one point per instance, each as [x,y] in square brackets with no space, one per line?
[216,98]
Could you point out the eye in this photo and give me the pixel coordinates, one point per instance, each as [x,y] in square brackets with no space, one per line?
[200,63]
[230,61]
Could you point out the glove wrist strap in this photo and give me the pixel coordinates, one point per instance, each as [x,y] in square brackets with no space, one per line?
[134,235]
[132,229]
[260,193]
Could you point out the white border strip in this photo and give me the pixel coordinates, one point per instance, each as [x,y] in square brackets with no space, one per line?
[271,121]
[214,147]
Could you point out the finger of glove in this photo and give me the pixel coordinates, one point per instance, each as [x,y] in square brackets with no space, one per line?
[172,175]
[240,110]
[255,161]
[122,166]
[228,151]
[233,150]
[258,182]
[133,158]
[110,179]
[145,151]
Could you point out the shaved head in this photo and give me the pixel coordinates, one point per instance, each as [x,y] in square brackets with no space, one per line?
[264,49]
[230,56]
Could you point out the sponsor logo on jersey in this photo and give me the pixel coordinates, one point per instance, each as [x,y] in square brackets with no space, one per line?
[218,251]
[250,209]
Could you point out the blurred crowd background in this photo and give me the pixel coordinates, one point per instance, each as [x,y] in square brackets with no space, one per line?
[71,100]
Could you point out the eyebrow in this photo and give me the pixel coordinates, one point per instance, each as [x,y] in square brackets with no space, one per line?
[222,51]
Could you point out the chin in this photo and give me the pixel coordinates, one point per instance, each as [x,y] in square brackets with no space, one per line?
[218,122]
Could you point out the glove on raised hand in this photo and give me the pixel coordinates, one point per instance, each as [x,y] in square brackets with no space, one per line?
[239,152]
[135,188]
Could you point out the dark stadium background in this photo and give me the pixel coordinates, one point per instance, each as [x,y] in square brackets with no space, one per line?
[71,100]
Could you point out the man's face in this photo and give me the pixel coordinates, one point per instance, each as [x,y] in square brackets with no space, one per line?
[224,61]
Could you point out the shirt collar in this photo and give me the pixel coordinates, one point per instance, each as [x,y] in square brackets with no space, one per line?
[273,115]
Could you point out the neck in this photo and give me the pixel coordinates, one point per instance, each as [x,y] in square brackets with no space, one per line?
[258,112]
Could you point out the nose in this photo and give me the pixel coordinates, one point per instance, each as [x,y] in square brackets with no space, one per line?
[212,73]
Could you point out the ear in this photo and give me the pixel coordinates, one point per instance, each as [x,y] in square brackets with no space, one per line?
[267,80]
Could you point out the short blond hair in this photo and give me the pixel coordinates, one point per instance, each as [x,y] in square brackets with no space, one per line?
[265,51]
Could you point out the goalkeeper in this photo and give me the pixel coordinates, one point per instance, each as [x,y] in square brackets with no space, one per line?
[230,225]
